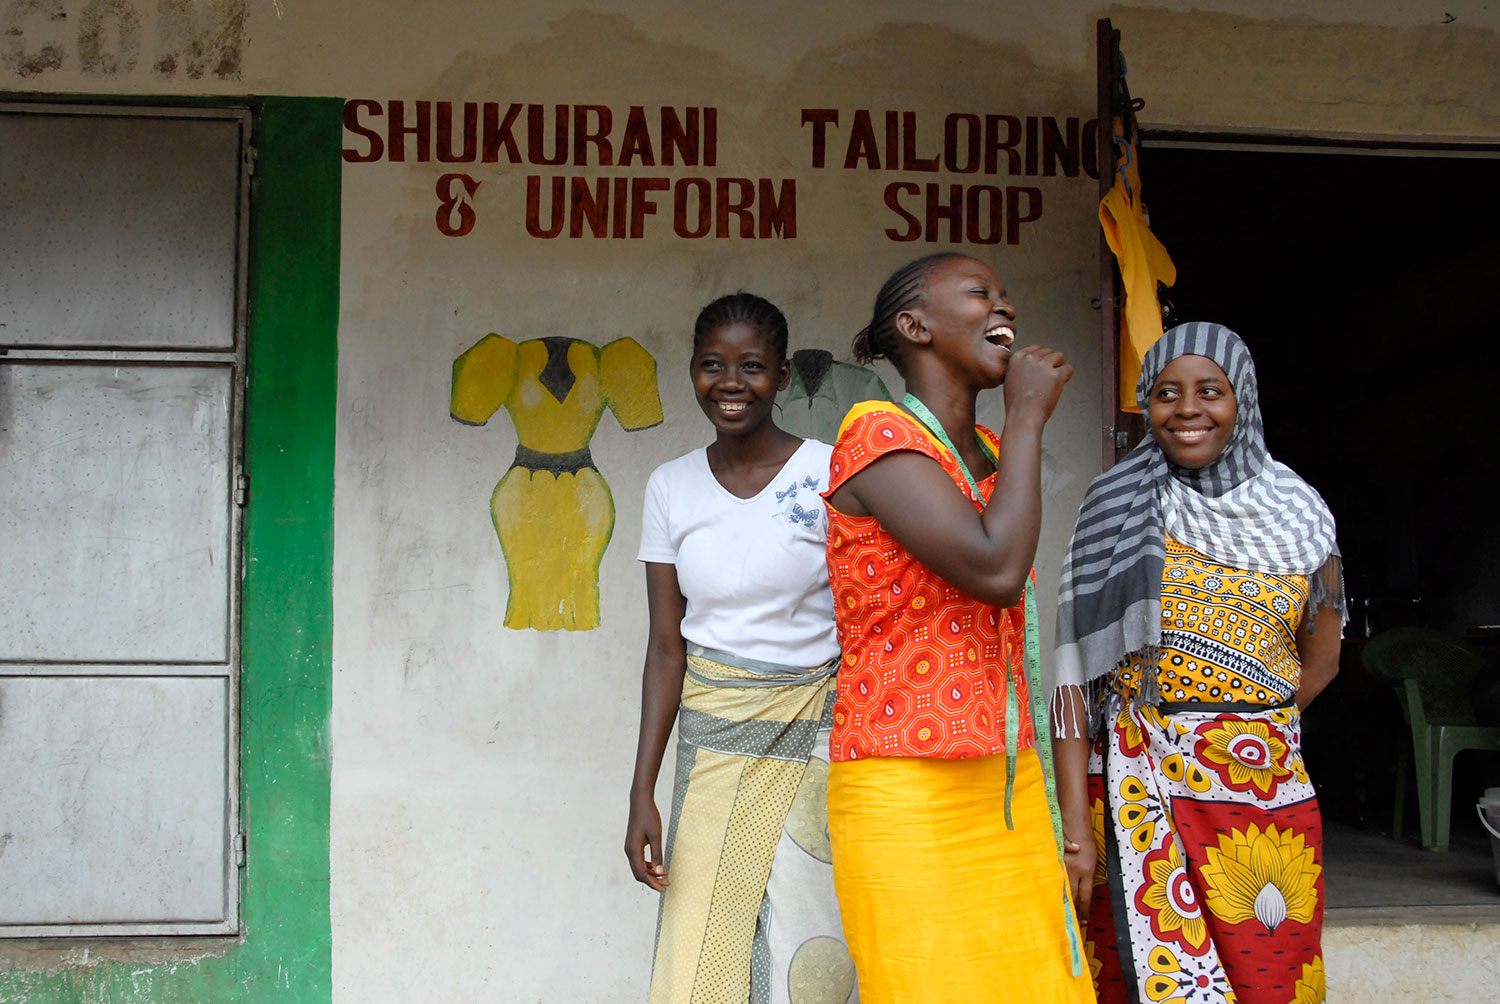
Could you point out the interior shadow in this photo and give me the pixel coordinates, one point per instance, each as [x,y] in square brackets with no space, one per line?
[1365,286]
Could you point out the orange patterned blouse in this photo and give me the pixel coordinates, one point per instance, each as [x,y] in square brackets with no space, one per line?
[925,668]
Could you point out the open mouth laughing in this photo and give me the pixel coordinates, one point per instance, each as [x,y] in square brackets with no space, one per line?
[1001,334]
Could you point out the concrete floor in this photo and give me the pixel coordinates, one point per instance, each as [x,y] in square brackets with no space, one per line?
[1403,924]
[1371,878]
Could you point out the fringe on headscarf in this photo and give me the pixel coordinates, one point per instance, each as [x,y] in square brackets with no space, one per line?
[1326,589]
[1148,694]
[1081,711]
[1077,710]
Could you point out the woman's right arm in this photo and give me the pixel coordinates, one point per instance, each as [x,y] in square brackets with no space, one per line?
[661,692]
[985,555]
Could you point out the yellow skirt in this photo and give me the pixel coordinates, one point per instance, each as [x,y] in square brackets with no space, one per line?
[940,901]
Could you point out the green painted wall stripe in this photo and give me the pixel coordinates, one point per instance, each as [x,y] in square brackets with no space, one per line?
[286,682]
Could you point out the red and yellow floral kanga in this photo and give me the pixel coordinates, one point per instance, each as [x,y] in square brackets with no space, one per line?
[926,669]
[1217,832]
[1245,755]
[1168,898]
[1269,876]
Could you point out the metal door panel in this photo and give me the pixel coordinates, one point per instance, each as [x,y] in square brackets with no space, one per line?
[122,284]
[114,512]
[118,231]
[113,808]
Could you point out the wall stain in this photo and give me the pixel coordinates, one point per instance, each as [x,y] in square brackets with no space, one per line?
[13,53]
[200,38]
[94,52]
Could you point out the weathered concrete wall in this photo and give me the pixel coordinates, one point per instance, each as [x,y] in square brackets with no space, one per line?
[511,750]
[1340,69]
[480,771]
[1441,963]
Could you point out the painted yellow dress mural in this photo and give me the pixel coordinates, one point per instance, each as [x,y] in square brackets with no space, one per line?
[552,510]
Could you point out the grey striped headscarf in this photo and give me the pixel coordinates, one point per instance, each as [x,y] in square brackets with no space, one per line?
[1243,509]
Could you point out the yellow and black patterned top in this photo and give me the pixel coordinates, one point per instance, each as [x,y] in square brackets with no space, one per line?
[1227,635]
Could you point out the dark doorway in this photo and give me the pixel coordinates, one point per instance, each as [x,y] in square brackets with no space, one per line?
[1366,286]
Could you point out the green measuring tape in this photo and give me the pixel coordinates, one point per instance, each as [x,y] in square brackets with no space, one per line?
[1043,739]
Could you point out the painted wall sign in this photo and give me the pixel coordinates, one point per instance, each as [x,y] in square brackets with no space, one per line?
[971,144]
[628,206]
[579,136]
[552,509]
[106,38]
[491,133]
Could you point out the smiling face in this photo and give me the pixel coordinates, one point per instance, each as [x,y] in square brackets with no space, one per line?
[970,321]
[736,373]
[1192,411]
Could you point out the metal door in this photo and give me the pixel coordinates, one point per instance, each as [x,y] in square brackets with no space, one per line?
[122,285]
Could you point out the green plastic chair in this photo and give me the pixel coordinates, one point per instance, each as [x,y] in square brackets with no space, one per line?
[1433,674]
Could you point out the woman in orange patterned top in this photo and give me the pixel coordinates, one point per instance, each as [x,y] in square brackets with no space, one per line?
[1200,609]
[947,856]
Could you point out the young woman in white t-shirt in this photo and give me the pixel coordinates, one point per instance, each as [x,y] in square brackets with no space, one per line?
[742,642]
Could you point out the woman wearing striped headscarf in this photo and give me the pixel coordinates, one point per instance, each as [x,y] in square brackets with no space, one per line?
[1200,610]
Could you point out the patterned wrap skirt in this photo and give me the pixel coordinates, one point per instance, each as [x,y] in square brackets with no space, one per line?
[1210,883]
[750,916]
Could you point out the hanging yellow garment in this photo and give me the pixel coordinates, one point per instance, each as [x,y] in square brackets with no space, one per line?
[1143,263]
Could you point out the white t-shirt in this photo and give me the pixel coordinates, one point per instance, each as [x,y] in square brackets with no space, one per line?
[753,570]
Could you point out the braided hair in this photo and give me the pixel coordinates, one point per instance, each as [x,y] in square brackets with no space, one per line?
[743,308]
[905,288]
